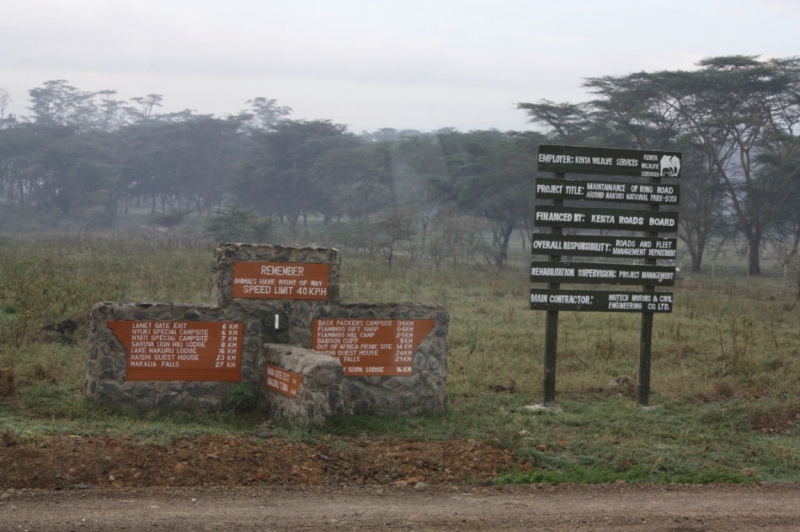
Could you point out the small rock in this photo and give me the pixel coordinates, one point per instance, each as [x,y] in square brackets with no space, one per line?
[420,486]
[82,487]
[183,469]
[5,496]
[623,383]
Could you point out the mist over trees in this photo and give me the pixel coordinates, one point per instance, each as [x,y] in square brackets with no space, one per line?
[94,160]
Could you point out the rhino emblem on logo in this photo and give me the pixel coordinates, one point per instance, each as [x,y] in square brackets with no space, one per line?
[670,165]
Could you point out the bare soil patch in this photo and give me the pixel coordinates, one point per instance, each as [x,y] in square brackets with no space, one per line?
[64,461]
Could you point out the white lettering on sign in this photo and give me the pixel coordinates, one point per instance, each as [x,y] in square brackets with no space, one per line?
[624,306]
[593,272]
[606,187]
[662,222]
[668,253]
[633,252]
[553,272]
[291,271]
[568,299]
[549,189]
[631,220]
[586,246]
[637,197]
[554,216]
[555,159]
[658,276]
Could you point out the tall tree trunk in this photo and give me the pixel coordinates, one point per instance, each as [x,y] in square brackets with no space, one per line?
[697,260]
[754,265]
[501,258]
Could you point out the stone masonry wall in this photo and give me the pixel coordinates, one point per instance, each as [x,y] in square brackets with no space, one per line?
[106,365]
[319,396]
[421,392]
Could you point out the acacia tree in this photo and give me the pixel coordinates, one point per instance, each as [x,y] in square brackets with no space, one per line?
[630,113]
[745,113]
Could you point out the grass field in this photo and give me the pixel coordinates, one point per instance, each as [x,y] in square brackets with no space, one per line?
[725,371]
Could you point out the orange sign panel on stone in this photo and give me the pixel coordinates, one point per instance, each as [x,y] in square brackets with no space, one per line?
[181,350]
[371,347]
[281,280]
[283,381]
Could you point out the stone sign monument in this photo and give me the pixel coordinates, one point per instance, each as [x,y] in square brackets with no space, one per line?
[278,327]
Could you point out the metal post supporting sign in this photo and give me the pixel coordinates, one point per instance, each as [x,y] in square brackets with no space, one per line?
[649,164]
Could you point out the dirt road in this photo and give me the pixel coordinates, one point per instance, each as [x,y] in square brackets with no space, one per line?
[453,507]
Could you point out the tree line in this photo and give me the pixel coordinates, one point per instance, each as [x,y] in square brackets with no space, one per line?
[447,194]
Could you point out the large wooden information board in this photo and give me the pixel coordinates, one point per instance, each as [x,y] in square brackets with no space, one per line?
[650,164]
[181,350]
[371,347]
[281,280]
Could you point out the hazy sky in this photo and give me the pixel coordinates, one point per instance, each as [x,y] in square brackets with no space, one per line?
[377,63]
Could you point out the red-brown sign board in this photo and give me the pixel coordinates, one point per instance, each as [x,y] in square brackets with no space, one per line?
[281,280]
[283,381]
[181,350]
[371,347]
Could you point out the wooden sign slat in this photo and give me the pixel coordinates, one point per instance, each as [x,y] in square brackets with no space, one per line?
[609,219]
[609,161]
[593,273]
[600,301]
[605,246]
[588,190]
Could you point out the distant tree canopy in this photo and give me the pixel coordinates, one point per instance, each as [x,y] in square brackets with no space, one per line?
[92,157]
